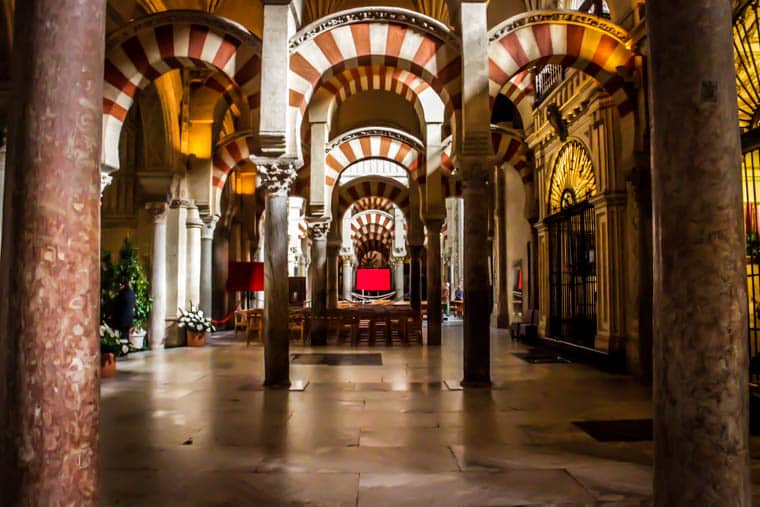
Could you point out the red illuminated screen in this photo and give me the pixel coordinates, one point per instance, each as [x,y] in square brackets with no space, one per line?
[373,279]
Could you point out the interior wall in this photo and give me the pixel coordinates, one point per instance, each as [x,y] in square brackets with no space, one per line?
[518,236]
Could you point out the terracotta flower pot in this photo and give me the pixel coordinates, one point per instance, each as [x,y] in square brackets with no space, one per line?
[107,365]
[196,338]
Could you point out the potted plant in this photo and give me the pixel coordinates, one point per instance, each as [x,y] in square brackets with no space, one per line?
[196,326]
[110,346]
[130,268]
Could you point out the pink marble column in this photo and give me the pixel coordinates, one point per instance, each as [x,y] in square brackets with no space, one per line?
[701,383]
[50,271]
[434,314]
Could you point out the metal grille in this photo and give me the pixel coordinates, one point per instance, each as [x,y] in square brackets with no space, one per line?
[572,271]
[547,79]
[747,64]
[751,191]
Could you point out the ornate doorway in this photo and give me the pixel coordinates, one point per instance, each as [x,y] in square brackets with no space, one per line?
[572,247]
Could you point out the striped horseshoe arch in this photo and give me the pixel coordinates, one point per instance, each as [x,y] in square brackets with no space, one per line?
[371,186]
[509,147]
[569,38]
[374,202]
[521,90]
[368,36]
[149,47]
[229,153]
[372,231]
[357,145]
[452,182]
[230,99]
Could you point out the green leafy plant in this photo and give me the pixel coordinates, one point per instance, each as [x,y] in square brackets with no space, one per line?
[130,268]
[110,342]
[194,320]
[107,285]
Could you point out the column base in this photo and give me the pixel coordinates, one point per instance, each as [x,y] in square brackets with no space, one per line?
[277,384]
[476,384]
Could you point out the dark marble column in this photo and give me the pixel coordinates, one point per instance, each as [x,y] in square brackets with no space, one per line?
[49,312]
[277,177]
[434,314]
[501,250]
[477,312]
[317,231]
[333,249]
[221,305]
[415,275]
[700,300]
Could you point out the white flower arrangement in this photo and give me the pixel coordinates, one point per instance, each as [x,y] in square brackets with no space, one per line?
[194,320]
[110,340]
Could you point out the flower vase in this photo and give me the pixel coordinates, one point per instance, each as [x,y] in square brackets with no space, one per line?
[107,365]
[196,338]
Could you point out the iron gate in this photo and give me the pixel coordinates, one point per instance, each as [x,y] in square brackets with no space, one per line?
[572,275]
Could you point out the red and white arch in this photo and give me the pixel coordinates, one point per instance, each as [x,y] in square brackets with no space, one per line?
[149,47]
[572,39]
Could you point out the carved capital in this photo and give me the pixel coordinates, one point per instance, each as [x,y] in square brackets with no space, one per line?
[105,180]
[318,228]
[209,226]
[158,211]
[277,177]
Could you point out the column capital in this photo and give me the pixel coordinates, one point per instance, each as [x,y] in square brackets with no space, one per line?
[157,210]
[209,226]
[318,227]
[105,180]
[277,175]
[193,220]
[433,224]
[347,258]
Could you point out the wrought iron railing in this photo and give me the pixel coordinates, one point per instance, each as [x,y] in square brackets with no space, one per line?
[547,79]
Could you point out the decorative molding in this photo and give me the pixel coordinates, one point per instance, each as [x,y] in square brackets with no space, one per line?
[157,210]
[398,135]
[406,17]
[105,180]
[277,176]
[183,17]
[557,17]
[317,227]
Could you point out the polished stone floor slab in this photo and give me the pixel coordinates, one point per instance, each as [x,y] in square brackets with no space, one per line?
[194,427]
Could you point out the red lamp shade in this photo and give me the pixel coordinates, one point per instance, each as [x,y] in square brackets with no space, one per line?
[373,279]
[245,277]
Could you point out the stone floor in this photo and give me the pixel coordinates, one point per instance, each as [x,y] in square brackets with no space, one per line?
[193,427]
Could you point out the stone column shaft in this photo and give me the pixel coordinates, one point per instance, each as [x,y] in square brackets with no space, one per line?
[193,282]
[221,247]
[158,280]
[502,305]
[207,265]
[332,276]
[477,332]
[318,228]
[348,279]
[701,383]
[50,270]
[398,279]
[415,275]
[277,176]
[434,314]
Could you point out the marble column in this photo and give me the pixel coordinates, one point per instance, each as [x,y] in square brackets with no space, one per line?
[348,278]
[398,278]
[158,210]
[415,265]
[476,330]
[333,249]
[50,270]
[701,383]
[475,168]
[207,264]
[434,314]
[193,271]
[277,177]
[318,228]
[221,246]
[502,253]
[2,177]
